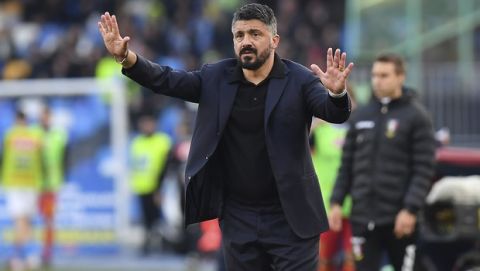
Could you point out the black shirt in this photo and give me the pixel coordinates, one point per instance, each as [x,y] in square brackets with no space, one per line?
[248,174]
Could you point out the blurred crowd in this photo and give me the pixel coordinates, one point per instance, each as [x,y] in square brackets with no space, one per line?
[59,38]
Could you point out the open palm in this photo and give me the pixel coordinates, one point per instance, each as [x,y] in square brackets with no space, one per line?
[336,74]
[115,44]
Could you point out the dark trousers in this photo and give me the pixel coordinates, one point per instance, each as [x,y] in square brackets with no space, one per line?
[150,216]
[261,239]
[369,247]
[150,210]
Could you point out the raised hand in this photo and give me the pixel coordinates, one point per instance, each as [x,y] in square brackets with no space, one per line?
[115,44]
[335,77]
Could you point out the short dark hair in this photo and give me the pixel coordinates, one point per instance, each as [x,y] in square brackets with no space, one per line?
[395,59]
[259,12]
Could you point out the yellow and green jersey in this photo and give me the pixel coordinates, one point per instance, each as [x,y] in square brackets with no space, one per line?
[149,155]
[54,145]
[326,158]
[22,158]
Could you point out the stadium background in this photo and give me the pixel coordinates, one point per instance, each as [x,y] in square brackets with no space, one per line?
[58,41]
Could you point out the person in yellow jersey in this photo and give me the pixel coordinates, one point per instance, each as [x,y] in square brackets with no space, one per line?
[22,175]
[326,142]
[149,155]
[54,161]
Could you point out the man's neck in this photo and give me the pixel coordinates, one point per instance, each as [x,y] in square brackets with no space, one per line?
[393,96]
[397,94]
[258,75]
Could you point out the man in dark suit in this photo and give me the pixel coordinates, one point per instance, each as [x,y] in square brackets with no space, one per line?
[249,162]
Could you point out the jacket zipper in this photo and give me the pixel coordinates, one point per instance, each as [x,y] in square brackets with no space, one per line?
[376,140]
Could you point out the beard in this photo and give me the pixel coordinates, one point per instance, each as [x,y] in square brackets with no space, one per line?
[253,63]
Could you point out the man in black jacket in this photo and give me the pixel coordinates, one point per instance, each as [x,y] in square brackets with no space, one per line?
[249,161]
[387,166]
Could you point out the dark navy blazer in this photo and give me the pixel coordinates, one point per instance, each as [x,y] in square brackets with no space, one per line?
[290,104]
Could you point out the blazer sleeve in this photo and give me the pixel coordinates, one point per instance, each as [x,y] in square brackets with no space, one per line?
[322,105]
[165,80]
[423,159]
[343,182]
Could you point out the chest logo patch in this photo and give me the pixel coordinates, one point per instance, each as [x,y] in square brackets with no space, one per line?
[392,126]
[364,124]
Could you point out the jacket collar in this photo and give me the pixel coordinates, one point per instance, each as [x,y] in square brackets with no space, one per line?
[407,95]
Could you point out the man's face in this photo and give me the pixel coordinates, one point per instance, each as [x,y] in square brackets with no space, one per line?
[147,125]
[253,43]
[385,81]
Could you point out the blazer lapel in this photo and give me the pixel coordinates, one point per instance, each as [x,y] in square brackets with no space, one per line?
[276,87]
[227,93]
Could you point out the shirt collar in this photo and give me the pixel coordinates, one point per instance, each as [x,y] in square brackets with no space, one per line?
[278,71]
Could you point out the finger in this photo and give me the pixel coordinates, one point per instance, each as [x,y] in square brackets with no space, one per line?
[343,58]
[125,41]
[319,73]
[329,58]
[348,70]
[101,28]
[316,70]
[103,21]
[108,20]
[115,30]
[336,58]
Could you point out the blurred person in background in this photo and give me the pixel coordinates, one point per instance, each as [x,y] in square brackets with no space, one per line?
[387,166]
[54,164]
[327,140]
[249,161]
[22,176]
[149,153]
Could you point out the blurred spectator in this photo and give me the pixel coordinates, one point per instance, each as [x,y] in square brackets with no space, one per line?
[149,154]
[387,166]
[22,177]
[54,162]
[16,69]
[326,142]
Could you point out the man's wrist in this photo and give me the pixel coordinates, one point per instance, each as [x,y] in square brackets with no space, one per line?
[128,61]
[337,95]
[123,59]
[411,209]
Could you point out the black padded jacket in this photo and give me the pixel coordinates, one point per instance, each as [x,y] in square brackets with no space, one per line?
[387,161]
